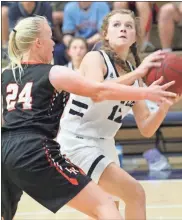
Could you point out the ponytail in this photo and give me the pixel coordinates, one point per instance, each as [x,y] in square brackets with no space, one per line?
[14,55]
[20,41]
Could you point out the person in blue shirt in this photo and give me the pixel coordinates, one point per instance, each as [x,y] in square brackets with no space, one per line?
[84,19]
[81,19]
[19,10]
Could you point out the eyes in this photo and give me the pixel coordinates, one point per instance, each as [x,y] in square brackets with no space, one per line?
[127,25]
[77,47]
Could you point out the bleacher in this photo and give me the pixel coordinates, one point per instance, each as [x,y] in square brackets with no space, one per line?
[168,138]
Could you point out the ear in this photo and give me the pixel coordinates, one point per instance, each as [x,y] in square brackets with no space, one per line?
[38,43]
[104,35]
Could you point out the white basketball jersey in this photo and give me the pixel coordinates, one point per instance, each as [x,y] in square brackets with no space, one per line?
[83,117]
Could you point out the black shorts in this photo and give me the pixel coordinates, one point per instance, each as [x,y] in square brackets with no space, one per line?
[31,162]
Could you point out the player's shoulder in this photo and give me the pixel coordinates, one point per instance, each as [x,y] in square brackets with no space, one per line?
[94,54]
[94,57]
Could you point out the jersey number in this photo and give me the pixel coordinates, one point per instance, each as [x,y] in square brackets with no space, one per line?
[113,116]
[24,97]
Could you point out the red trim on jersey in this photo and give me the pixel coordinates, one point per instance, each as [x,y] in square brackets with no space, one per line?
[81,171]
[49,159]
[32,62]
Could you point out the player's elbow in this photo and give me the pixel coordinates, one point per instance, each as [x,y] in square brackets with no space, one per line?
[145,133]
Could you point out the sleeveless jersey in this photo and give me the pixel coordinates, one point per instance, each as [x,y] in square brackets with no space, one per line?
[83,117]
[32,103]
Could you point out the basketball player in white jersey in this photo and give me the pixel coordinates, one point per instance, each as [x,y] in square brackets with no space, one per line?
[88,128]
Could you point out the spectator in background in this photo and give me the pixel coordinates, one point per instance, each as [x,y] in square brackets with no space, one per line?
[81,19]
[144,11]
[19,10]
[57,16]
[5,27]
[77,48]
[169,15]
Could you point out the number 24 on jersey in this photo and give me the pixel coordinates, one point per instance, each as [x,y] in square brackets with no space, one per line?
[23,97]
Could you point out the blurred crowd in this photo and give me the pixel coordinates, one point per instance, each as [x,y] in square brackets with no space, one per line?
[76,25]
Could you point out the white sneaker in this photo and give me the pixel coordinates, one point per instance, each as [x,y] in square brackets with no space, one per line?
[156,161]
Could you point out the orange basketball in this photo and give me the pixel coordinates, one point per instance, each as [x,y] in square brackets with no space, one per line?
[170,69]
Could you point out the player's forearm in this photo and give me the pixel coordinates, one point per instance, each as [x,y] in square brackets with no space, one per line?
[127,79]
[153,122]
[113,91]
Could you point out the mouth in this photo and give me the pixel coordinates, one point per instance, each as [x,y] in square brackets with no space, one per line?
[123,37]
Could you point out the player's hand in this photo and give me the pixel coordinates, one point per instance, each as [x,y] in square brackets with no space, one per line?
[157,92]
[168,102]
[153,60]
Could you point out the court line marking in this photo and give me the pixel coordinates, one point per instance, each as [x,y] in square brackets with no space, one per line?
[157,218]
[160,181]
[67,210]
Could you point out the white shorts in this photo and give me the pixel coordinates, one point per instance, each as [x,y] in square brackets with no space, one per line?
[91,155]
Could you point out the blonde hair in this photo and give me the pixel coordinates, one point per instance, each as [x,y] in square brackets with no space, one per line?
[133,49]
[21,39]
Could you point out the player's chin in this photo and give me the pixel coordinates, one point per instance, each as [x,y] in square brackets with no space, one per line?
[123,44]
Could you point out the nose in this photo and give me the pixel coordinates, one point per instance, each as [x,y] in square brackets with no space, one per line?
[78,50]
[123,29]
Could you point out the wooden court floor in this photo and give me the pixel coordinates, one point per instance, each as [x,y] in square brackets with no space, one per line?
[164,201]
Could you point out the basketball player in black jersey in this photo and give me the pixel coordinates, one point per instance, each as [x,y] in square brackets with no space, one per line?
[33,101]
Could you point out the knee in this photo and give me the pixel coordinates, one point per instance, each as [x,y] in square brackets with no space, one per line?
[120,5]
[105,208]
[140,193]
[167,11]
[135,193]
[143,7]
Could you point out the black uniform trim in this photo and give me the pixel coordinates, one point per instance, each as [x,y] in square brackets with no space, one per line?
[105,76]
[94,165]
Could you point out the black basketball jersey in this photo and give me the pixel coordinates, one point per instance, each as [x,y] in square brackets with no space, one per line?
[32,103]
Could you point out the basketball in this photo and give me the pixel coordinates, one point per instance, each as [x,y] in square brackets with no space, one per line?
[170,69]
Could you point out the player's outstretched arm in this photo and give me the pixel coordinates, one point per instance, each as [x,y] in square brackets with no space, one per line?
[93,67]
[63,78]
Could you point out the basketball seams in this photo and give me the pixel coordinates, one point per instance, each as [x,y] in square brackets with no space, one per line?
[176,71]
[163,73]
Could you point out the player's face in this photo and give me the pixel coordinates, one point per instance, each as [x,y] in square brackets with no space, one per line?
[46,47]
[121,31]
[77,50]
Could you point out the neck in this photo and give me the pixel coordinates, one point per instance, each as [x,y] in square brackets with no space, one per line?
[28,58]
[28,6]
[76,64]
[122,54]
